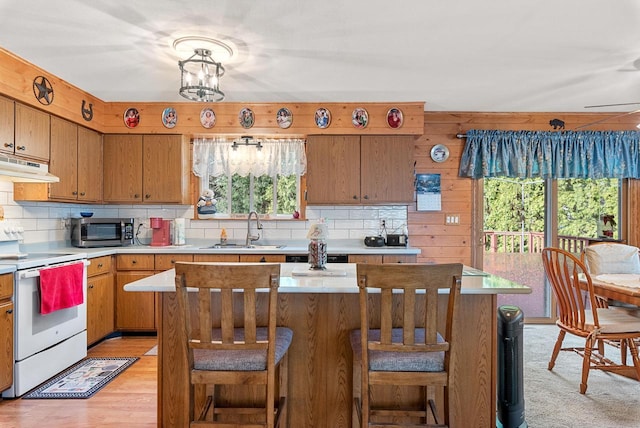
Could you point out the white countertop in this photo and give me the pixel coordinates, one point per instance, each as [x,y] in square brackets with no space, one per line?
[473,281]
[204,247]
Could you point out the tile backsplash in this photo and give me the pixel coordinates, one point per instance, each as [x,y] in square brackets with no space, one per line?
[46,221]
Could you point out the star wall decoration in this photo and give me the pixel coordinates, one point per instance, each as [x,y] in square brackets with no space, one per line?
[43,90]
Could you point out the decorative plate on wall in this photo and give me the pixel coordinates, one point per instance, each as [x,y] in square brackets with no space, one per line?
[131,117]
[169,117]
[394,118]
[323,118]
[439,153]
[246,118]
[360,118]
[207,118]
[284,118]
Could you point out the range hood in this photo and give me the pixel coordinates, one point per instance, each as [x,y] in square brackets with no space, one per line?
[25,171]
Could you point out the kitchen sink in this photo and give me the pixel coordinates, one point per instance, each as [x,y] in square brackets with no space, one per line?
[242,246]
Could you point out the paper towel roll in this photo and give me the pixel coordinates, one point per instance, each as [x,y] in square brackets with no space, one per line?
[179,226]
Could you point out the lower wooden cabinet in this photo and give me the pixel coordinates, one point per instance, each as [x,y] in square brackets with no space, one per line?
[263,258]
[136,311]
[100,299]
[382,258]
[6,331]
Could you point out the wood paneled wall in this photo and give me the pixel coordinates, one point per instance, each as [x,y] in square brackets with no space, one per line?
[16,81]
[446,243]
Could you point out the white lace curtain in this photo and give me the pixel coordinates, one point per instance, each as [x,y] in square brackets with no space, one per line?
[215,156]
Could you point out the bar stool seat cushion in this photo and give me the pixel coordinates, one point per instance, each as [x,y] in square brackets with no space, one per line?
[205,359]
[385,361]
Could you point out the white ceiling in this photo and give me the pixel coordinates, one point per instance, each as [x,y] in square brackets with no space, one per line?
[456,55]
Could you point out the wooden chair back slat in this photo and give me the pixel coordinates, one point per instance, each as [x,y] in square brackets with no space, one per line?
[409,316]
[386,313]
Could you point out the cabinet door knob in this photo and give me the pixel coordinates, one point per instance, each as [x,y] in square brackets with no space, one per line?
[136,196]
[147,196]
[90,285]
[366,196]
[8,145]
[74,193]
[21,148]
[133,262]
[9,311]
[355,197]
[263,260]
[82,193]
[100,265]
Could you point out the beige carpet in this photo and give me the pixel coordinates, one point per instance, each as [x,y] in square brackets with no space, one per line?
[552,398]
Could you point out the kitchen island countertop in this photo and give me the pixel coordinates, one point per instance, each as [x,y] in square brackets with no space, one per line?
[344,281]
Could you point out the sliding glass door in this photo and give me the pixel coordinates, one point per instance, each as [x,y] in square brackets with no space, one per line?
[522,216]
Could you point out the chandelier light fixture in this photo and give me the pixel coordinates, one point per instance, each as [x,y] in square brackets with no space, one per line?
[247,141]
[200,77]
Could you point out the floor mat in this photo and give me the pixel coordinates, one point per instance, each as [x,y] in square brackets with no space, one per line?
[83,379]
[152,351]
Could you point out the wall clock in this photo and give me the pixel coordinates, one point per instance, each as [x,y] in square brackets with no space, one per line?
[439,153]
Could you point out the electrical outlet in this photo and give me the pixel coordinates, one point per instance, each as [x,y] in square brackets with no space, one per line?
[452,219]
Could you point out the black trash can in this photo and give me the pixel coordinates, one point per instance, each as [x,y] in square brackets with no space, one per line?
[510,368]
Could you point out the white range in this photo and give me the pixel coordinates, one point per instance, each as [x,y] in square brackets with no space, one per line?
[44,345]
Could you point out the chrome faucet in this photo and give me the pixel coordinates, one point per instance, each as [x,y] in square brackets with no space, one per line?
[250,237]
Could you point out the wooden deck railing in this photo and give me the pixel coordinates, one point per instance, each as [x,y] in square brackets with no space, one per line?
[528,242]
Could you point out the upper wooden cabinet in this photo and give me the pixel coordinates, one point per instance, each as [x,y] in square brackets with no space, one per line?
[64,159]
[7,125]
[360,169]
[24,131]
[76,158]
[31,133]
[89,165]
[146,168]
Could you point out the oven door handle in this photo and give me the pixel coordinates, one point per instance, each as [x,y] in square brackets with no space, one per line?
[35,273]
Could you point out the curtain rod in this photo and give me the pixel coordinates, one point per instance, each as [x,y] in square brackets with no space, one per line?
[460,136]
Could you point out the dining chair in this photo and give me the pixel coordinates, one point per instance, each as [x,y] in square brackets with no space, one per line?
[398,344]
[611,258]
[583,317]
[227,313]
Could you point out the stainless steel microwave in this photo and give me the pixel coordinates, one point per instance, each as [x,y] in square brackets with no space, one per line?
[89,232]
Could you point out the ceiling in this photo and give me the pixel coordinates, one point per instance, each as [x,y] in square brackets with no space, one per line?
[458,55]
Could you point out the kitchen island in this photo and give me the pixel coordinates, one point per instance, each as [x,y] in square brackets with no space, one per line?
[322,311]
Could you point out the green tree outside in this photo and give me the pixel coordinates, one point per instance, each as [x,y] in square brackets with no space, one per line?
[517,205]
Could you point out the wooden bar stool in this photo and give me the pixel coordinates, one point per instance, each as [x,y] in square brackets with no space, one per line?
[232,339]
[398,343]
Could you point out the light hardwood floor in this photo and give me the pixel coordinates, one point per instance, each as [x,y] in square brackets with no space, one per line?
[130,400]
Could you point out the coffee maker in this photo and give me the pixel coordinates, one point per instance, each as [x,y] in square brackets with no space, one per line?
[161,232]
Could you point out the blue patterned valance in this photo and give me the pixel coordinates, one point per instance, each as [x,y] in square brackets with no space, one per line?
[547,154]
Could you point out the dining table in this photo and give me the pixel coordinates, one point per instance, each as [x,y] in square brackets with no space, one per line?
[621,287]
